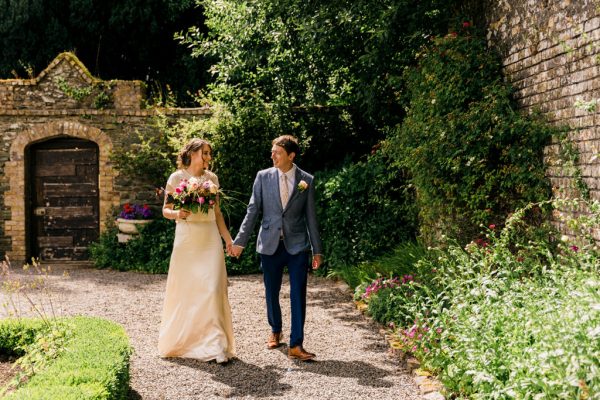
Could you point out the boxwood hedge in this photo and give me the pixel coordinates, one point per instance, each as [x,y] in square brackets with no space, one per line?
[93,365]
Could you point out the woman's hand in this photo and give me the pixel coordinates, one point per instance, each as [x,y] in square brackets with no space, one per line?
[182,214]
[229,247]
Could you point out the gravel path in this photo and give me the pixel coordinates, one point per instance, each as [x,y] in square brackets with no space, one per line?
[352,357]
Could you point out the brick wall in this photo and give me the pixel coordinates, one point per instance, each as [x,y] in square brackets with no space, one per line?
[551,55]
[65,85]
[63,100]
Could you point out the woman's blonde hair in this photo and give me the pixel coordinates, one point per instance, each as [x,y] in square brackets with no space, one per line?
[184,158]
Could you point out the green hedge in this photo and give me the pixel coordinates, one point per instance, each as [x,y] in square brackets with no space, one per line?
[364,209]
[93,365]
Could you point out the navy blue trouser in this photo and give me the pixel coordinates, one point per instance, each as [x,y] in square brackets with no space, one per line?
[272,267]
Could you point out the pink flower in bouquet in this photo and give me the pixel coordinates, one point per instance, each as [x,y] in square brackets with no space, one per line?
[194,183]
[194,195]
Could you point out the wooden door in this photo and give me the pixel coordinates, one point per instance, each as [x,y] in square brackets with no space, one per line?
[63,199]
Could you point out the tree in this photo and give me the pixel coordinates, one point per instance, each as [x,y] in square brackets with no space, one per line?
[348,53]
[125,39]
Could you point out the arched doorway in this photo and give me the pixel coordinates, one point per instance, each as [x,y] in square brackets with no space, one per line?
[62,198]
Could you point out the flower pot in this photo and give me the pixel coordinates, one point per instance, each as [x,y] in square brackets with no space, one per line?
[130,226]
[124,237]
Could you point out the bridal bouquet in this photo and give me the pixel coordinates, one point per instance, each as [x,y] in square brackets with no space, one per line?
[194,195]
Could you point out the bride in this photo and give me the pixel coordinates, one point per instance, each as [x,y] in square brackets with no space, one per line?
[196,317]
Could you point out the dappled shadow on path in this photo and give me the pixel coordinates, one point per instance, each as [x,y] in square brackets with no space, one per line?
[364,373]
[338,303]
[244,379]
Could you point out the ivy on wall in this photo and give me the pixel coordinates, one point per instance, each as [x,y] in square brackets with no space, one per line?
[102,98]
[473,159]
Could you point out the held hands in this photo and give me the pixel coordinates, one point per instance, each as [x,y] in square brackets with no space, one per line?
[234,250]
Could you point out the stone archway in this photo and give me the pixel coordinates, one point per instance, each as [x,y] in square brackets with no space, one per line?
[15,171]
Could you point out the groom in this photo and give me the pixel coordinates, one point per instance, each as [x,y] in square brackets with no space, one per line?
[285,196]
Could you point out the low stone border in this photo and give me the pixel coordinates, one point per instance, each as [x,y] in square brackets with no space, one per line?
[431,388]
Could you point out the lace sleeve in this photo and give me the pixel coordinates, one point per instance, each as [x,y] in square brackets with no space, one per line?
[172,183]
[214,178]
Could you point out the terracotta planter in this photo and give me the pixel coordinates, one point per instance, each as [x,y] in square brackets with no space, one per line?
[129,227]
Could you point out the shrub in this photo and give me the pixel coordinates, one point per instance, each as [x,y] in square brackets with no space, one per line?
[363,210]
[403,285]
[472,158]
[399,261]
[94,365]
[150,251]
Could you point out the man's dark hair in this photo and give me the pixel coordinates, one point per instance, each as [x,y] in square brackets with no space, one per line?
[289,144]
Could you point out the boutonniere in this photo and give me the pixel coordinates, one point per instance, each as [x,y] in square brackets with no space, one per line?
[302,186]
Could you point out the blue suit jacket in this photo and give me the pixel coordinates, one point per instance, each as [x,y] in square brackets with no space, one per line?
[298,220]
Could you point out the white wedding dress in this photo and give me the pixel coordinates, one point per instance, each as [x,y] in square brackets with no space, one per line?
[196,318]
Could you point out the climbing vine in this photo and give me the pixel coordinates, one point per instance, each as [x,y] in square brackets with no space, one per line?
[569,157]
[101,100]
[76,93]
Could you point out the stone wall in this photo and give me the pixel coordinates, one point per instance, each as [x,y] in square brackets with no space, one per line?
[65,100]
[551,55]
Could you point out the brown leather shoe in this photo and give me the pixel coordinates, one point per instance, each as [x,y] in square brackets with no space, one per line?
[273,341]
[299,353]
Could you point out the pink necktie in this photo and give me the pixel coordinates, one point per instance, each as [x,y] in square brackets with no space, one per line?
[283,191]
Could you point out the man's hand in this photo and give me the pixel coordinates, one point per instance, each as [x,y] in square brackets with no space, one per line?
[317,261]
[236,251]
